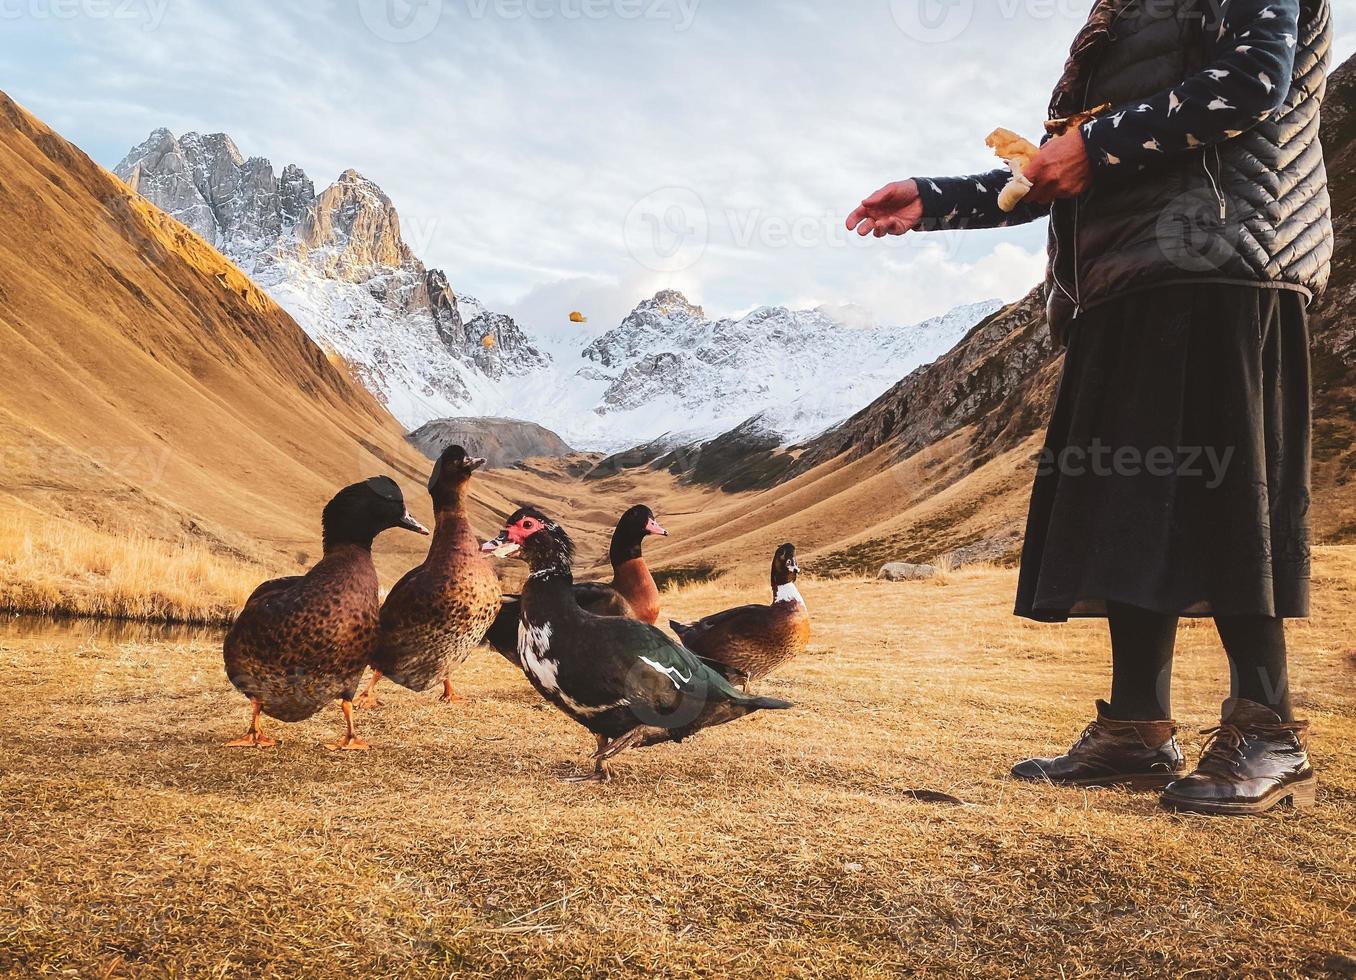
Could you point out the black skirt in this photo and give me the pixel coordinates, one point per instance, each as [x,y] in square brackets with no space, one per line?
[1175,475]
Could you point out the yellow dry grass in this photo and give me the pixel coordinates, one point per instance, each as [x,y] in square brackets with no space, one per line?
[782,845]
[60,569]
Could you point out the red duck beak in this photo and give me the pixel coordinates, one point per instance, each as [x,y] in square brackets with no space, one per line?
[653,527]
[410,524]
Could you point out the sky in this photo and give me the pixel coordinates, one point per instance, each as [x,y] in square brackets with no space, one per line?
[554,155]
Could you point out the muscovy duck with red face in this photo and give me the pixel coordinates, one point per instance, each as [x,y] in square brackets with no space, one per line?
[749,642]
[625,681]
[633,592]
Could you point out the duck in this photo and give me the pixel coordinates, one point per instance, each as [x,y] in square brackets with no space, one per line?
[436,615]
[747,643]
[304,641]
[627,682]
[632,592]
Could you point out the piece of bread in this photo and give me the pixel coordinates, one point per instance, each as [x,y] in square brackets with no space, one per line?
[1011,147]
[1018,153]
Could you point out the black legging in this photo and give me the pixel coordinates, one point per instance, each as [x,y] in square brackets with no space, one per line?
[1142,644]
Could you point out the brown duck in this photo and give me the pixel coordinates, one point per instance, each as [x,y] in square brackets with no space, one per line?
[632,592]
[438,613]
[304,641]
[749,642]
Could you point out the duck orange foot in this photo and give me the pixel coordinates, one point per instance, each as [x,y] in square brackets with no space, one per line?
[252,740]
[449,696]
[350,743]
[254,737]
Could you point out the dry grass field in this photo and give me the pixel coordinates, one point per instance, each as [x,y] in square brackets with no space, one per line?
[784,845]
[55,568]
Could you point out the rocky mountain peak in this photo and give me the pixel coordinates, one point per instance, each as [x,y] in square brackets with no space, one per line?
[338,263]
[670,302]
[354,228]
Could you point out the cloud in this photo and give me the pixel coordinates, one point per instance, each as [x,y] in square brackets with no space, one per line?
[517,137]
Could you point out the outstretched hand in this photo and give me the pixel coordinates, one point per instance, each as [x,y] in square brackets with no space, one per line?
[895,209]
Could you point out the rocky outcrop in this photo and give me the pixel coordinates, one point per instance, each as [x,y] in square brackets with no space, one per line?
[1334,324]
[503,442]
[999,378]
[351,231]
[899,571]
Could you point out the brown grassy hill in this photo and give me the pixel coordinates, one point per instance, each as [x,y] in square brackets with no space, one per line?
[168,432]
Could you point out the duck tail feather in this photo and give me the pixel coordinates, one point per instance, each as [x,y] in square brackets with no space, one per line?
[770,704]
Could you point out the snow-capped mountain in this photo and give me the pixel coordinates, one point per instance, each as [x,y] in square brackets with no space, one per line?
[338,263]
[800,371]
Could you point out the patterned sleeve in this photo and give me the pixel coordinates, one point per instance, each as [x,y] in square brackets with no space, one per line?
[951,203]
[1245,84]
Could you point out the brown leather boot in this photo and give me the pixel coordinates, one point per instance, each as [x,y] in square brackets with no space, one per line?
[1253,762]
[1138,754]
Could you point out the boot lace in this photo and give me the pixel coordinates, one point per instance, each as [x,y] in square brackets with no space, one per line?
[1224,751]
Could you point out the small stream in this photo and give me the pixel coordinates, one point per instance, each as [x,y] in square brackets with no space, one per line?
[24,630]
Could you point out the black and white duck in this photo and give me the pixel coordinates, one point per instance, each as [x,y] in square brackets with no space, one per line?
[625,681]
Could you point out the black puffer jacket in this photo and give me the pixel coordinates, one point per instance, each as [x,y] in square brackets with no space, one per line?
[1172,202]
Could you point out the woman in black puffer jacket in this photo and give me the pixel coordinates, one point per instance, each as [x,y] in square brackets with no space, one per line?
[1189,230]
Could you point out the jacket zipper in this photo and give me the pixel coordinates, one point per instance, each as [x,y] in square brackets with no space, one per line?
[1215,181]
[1077,216]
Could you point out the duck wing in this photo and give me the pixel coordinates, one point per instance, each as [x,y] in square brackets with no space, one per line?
[272,589]
[660,678]
[707,636]
[593,597]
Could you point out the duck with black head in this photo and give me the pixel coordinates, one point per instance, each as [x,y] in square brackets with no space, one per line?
[439,612]
[747,643]
[304,641]
[632,591]
[625,681]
